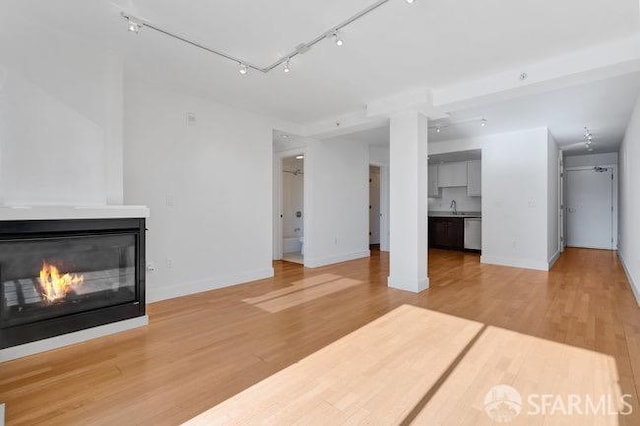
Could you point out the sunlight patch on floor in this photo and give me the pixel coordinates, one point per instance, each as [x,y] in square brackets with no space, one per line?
[302,291]
[415,366]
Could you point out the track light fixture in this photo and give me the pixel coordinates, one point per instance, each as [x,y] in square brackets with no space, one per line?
[337,39]
[483,122]
[588,139]
[134,25]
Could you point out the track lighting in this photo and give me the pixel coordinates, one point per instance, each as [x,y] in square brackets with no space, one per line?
[133,25]
[483,122]
[337,39]
[438,129]
[588,139]
[286,66]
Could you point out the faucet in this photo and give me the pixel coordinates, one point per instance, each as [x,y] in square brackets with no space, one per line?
[453,207]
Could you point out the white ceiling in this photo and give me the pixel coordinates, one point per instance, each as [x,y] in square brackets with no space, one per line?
[604,106]
[397,48]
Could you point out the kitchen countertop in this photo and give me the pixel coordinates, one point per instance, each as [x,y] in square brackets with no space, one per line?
[459,214]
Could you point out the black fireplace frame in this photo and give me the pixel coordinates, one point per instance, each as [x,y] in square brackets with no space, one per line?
[35,229]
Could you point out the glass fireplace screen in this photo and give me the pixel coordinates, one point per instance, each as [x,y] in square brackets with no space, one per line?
[51,277]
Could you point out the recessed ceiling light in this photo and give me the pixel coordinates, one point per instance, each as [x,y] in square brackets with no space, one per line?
[409,1]
[286,66]
[285,136]
[299,157]
[438,129]
[243,69]
[483,122]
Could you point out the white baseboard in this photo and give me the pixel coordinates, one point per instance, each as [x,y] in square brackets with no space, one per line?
[634,287]
[1,414]
[185,289]
[515,263]
[554,259]
[56,342]
[405,285]
[330,260]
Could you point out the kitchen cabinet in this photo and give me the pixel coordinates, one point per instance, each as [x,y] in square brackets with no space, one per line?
[452,174]
[432,184]
[446,233]
[474,179]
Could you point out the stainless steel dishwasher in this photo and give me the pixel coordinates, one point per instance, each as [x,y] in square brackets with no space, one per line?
[473,233]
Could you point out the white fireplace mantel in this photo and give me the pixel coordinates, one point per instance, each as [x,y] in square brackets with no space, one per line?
[72,212]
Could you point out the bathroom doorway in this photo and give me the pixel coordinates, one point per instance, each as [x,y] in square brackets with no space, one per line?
[292,212]
[374,207]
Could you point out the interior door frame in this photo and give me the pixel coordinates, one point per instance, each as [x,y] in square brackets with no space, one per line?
[278,201]
[384,204]
[614,199]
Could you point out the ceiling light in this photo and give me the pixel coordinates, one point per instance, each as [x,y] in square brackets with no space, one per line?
[438,129]
[483,122]
[133,25]
[285,136]
[338,40]
[409,1]
[286,66]
[299,157]
[243,69]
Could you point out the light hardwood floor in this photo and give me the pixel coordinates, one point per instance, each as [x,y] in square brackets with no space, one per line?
[200,350]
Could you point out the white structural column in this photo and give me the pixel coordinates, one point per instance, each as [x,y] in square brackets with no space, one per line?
[408,197]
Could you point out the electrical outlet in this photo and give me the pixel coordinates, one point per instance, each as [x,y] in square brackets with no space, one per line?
[151,267]
[191,119]
[169,263]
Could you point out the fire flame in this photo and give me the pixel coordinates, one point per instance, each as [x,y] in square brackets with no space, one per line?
[55,285]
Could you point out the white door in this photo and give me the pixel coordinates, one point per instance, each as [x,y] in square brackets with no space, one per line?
[589,201]
[374,205]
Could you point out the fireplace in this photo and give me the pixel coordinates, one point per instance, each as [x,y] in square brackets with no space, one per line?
[62,276]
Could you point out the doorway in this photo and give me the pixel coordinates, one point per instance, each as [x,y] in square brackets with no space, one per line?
[374,207]
[591,207]
[292,212]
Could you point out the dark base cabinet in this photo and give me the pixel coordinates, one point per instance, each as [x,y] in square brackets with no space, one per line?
[446,233]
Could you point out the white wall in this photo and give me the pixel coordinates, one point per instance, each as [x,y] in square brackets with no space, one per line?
[338,210]
[208,187]
[591,160]
[464,203]
[629,225]
[60,117]
[515,173]
[553,199]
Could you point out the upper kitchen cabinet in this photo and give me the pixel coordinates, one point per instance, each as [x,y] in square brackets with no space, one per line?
[434,189]
[452,174]
[474,179]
